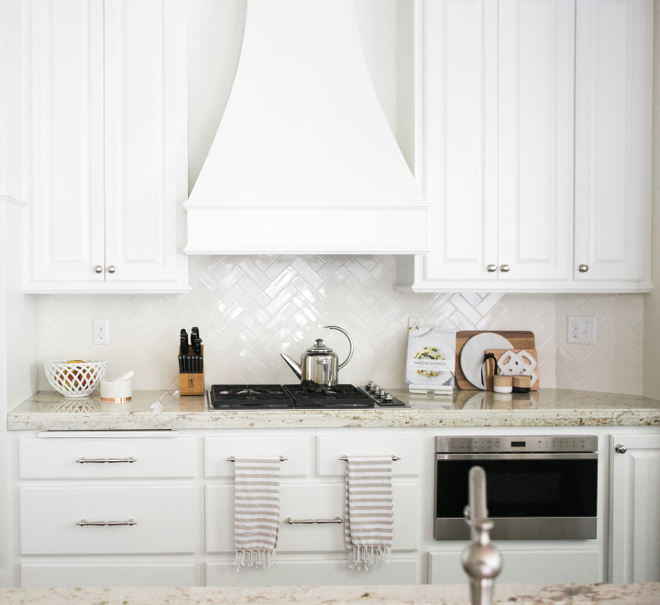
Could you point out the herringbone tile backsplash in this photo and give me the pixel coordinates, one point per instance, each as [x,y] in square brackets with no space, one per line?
[251,308]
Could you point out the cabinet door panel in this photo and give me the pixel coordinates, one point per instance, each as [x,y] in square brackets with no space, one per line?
[66,145]
[525,567]
[146,179]
[309,572]
[218,449]
[311,501]
[613,139]
[536,47]
[164,516]
[57,458]
[635,523]
[460,170]
[108,575]
[331,449]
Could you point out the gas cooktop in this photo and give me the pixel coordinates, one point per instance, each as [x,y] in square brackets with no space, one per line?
[293,396]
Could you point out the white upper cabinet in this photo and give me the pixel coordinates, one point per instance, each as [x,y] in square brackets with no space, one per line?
[66,122]
[613,141]
[459,169]
[108,123]
[536,93]
[533,115]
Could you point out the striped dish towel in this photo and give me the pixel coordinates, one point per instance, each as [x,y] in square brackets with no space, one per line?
[256,511]
[368,519]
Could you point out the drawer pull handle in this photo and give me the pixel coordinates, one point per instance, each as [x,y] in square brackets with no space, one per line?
[232,459]
[395,458]
[83,523]
[105,460]
[292,521]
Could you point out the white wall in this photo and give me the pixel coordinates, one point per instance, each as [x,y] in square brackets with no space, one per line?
[250,309]
[18,313]
[652,300]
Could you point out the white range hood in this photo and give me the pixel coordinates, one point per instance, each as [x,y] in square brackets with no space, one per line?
[304,161]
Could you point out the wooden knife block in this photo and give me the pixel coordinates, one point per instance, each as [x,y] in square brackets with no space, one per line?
[192,384]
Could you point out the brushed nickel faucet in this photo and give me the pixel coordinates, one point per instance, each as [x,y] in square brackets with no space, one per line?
[481,560]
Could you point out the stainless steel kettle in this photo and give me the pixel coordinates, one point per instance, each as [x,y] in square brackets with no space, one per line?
[319,366]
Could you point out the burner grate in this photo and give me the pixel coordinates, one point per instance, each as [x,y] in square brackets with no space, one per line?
[337,397]
[249,396]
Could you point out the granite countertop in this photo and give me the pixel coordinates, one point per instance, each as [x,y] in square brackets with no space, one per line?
[520,594]
[48,410]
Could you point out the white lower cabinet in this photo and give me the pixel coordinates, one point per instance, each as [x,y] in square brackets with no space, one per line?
[108,575]
[303,572]
[635,508]
[317,501]
[525,567]
[183,510]
[164,520]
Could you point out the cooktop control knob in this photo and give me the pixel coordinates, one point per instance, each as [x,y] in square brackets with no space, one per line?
[387,397]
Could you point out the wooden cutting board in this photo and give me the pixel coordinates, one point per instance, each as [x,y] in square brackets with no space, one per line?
[519,340]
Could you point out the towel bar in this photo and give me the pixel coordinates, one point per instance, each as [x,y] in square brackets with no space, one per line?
[395,458]
[232,459]
[292,521]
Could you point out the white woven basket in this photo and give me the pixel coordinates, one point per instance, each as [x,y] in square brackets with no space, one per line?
[75,379]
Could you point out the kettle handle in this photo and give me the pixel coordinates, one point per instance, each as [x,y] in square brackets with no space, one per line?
[350,342]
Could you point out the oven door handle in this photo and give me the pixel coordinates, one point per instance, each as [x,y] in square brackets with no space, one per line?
[520,456]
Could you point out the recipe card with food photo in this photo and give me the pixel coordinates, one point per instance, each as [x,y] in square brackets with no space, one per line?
[431,358]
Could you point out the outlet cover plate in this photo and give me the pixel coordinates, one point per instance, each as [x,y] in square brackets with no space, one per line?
[581,330]
[101,332]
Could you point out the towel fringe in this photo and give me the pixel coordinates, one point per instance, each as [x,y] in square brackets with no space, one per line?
[254,558]
[368,557]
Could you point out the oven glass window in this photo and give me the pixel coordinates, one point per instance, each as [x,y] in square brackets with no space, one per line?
[521,488]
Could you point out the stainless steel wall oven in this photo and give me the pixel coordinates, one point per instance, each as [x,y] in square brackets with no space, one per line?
[539,488]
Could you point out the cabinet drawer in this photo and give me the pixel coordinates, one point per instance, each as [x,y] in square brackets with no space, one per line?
[108,575]
[524,567]
[218,449]
[303,572]
[164,516]
[307,502]
[57,458]
[331,449]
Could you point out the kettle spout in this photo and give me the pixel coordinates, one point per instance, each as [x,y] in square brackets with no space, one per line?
[297,370]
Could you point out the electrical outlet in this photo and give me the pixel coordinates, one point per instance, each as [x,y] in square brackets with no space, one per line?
[101,332]
[415,322]
[581,330]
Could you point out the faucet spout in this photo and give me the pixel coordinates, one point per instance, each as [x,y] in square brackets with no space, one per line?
[294,365]
[481,560]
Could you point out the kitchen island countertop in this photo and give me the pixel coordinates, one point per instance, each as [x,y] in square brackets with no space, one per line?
[48,410]
[521,594]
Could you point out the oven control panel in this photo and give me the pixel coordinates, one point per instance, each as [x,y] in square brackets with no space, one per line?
[533,443]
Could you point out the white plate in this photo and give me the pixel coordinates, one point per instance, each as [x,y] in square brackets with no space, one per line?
[472,355]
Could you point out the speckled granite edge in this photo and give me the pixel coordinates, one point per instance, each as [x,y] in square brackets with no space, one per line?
[50,411]
[328,419]
[521,594]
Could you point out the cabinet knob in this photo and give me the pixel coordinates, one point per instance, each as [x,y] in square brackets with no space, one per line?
[98,269]
[505,268]
[620,449]
[583,268]
[111,269]
[491,268]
